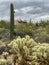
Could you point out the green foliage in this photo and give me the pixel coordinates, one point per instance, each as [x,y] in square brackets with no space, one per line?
[41,34]
[24,29]
[11,21]
[4,34]
[38,31]
[4,24]
[4,28]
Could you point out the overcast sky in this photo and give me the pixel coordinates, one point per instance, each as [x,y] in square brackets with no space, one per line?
[25,9]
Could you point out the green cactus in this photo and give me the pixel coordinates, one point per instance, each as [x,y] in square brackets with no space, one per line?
[11,21]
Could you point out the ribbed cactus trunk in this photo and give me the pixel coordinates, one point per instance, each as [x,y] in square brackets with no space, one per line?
[11,21]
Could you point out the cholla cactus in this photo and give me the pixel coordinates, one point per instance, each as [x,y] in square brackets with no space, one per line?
[5,54]
[18,44]
[3,62]
[41,52]
[31,52]
[22,47]
[14,58]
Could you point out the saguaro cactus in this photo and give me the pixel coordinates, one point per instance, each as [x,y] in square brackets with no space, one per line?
[11,21]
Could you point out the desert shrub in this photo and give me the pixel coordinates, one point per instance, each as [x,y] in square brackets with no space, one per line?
[0,37]
[4,24]
[24,29]
[1,30]
[38,31]
[41,35]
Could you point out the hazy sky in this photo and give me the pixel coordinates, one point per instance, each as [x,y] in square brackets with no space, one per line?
[25,9]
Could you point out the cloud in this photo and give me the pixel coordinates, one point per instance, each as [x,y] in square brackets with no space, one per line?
[25,9]
[45,17]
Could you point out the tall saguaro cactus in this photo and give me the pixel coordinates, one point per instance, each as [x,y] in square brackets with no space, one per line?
[11,21]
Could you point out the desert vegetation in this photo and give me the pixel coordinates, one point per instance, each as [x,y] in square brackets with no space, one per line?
[26,43]
[24,51]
